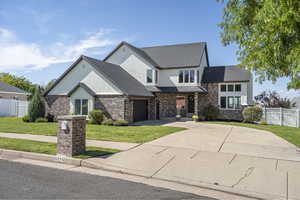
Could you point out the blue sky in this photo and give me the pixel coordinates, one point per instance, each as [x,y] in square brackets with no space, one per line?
[40,39]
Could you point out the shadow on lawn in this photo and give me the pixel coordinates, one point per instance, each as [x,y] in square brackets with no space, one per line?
[96,153]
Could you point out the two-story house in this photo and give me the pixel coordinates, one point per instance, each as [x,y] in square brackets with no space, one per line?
[150,83]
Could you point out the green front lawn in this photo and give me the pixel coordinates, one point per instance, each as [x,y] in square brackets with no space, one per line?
[48,148]
[291,134]
[138,134]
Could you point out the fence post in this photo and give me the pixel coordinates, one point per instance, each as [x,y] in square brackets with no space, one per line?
[281,117]
[265,113]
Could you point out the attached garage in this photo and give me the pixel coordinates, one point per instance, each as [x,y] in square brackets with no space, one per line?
[140,110]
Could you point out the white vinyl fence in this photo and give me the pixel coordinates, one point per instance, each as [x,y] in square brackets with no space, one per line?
[11,107]
[282,116]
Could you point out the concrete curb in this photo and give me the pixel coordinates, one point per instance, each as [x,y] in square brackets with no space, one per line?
[4,153]
[39,156]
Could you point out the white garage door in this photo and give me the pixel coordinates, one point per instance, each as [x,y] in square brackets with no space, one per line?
[10,107]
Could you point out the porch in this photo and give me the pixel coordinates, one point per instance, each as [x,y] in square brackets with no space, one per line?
[168,105]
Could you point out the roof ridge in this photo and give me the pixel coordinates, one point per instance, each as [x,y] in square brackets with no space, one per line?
[223,66]
[170,45]
[14,87]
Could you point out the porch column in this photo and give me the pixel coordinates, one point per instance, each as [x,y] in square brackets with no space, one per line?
[196,103]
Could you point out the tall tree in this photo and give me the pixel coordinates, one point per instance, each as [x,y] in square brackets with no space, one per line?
[20,82]
[36,107]
[267,33]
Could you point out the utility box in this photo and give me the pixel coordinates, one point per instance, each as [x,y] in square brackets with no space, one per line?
[71,135]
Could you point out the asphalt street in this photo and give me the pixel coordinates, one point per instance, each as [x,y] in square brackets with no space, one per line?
[23,181]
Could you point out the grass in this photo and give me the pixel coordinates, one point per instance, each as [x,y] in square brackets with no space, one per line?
[291,134]
[138,134]
[48,148]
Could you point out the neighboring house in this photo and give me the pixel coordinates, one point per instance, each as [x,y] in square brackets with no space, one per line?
[150,83]
[11,92]
[296,100]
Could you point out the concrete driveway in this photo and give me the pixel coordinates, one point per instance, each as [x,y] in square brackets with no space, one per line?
[228,158]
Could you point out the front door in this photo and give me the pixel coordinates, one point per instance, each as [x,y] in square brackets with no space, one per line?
[191,104]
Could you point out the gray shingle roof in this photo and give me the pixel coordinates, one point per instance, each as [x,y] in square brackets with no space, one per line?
[218,74]
[143,54]
[4,87]
[169,56]
[174,56]
[114,73]
[118,76]
[84,86]
[181,89]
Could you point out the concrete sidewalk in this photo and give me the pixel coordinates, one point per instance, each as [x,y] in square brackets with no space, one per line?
[232,159]
[95,143]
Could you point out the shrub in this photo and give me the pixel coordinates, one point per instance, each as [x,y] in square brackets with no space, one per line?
[96,116]
[36,107]
[108,122]
[50,117]
[201,118]
[252,114]
[25,118]
[263,122]
[210,112]
[121,123]
[41,119]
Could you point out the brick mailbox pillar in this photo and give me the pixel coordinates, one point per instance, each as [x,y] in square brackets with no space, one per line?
[71,135]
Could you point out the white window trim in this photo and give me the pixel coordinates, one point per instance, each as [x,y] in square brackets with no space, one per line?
[152,73]
[234,105]
[81,101]
[189,70]
[234,84]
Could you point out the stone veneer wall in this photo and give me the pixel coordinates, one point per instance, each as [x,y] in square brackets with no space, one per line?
[167,104]
[212,97]
[71,141]
[114,106]
[152,108]
[57,105]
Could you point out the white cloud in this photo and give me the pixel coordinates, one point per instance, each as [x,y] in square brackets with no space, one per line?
[289,93]
[18,55]
[94,40]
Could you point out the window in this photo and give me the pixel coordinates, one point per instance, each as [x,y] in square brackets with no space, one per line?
[223,88]
[186,76]
[238,87]
[230,88]
[81,106]
[149,76]
[180,76]
[192,76]
[156,76]
[198,76]
[77,106]
[223,102]
[230,102]
[237,102]
[85,107]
